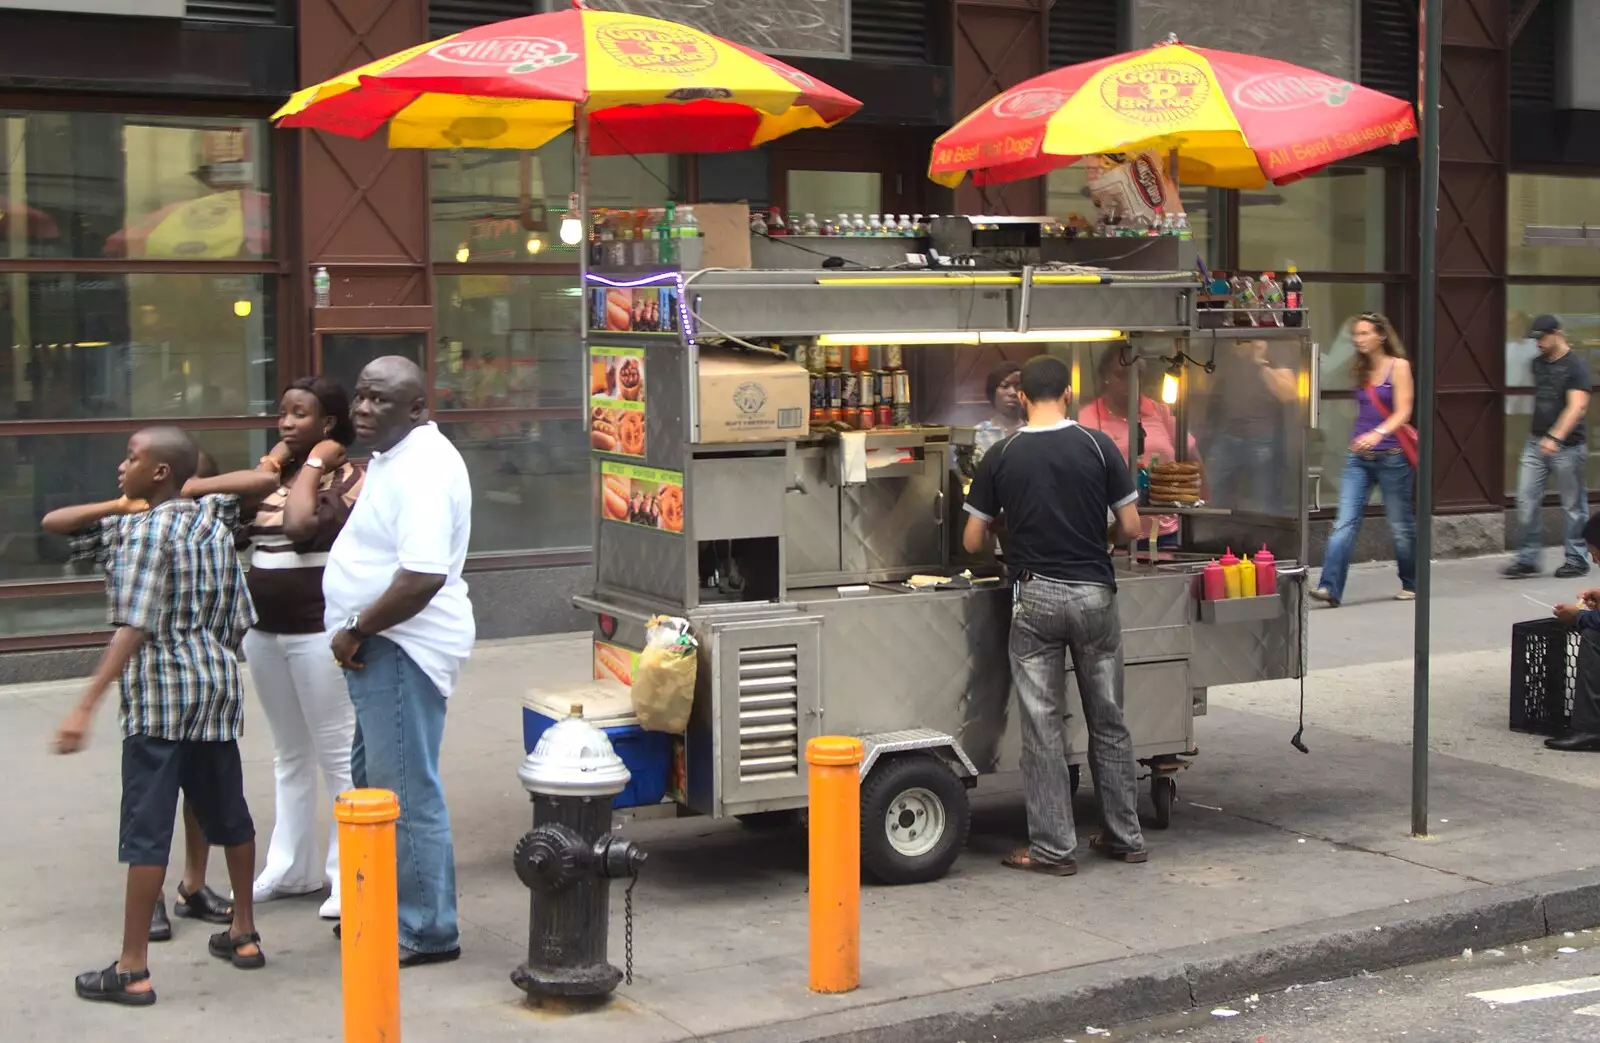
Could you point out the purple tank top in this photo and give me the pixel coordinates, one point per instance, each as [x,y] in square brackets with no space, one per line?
[1368,415]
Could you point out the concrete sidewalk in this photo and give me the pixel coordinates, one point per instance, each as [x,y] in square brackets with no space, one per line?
[1273,856]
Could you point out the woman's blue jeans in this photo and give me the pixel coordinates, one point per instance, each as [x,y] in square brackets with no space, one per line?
[1393,476]
[399,728]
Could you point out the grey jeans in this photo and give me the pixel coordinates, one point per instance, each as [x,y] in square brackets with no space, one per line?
[1049,620]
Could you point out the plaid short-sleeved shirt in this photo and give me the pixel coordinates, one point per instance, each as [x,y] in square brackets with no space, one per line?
[172,572]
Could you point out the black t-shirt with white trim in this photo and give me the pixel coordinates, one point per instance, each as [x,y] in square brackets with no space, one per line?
[1056,486]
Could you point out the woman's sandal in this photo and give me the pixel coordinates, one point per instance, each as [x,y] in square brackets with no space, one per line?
[1100,844]
[205,904]
[111,986]
[1026,862]
[224,946]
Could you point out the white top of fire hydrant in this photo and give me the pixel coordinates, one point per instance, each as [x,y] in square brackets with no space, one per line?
[574,759]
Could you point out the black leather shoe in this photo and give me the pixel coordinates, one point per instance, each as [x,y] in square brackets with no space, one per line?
[160,926]
[1580,742]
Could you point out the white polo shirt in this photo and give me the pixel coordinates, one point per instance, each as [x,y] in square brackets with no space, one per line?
[414,513]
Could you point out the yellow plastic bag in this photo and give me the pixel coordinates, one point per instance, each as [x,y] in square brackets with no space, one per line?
[663,682]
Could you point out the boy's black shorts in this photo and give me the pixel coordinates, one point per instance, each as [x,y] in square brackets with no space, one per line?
[212,781]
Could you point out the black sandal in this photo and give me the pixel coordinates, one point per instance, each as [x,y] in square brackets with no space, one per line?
[205,904]
[111,986]
[160,926]
[224,946]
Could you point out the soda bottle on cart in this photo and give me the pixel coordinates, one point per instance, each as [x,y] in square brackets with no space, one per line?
[1293,294]
[810,227]
[775,223]
[1271,299]
[758,223]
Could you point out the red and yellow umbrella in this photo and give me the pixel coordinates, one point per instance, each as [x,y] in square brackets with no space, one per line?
[1236,121]
[647,85]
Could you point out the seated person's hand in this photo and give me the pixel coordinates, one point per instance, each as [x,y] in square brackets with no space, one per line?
[1590,598]
[1568,614]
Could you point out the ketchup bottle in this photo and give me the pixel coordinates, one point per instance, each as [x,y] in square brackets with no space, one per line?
[1266,572]
[1213,585]
[1230,574]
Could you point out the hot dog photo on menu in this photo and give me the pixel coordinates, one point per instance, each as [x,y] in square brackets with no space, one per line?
[642,496]
[615,662]
[616,400]
[636,309]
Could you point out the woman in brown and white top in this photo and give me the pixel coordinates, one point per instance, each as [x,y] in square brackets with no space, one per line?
[302,493]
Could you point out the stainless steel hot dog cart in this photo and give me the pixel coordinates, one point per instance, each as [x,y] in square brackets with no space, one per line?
[790,555]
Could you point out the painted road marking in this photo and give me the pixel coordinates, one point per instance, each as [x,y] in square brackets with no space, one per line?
[1593,1012]
[1544,991]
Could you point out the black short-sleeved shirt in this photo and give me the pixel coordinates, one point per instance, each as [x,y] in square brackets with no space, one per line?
[1552,380]
[1055,486]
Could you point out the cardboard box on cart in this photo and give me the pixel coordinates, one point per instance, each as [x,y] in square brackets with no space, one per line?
[747,396]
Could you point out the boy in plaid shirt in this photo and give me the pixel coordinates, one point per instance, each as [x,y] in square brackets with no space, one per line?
[180,607]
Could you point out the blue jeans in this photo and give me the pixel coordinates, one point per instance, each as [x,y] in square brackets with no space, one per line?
[1242,470]
[1570,467]
[1049,620]
[399,727]
[1392,474]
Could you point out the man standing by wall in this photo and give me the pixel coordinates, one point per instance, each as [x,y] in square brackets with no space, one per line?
[402,626]
[1558,446]
[1054,484]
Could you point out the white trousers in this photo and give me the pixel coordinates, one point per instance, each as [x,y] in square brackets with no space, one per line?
[303,694]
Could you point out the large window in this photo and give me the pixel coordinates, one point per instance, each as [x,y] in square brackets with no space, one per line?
[507,353]
[1340,229]
[1547,278]
[137,286]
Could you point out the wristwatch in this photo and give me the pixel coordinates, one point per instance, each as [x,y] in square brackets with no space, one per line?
[351,625]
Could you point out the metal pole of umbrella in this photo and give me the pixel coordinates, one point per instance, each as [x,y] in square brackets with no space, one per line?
[1427,292]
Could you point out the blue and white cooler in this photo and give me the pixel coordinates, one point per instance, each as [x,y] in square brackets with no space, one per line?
[608,706]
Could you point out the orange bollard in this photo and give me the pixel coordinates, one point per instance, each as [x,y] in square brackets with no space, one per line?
[835,862]
[370,923]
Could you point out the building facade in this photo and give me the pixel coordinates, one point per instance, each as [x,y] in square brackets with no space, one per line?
[158,238]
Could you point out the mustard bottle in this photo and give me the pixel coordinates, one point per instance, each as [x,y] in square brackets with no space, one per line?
[1230,574]
[1247,577]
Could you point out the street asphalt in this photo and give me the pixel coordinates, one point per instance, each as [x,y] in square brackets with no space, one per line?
[1280,868]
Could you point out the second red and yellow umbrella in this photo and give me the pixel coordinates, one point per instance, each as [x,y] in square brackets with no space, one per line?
[1236,121]
[647,86]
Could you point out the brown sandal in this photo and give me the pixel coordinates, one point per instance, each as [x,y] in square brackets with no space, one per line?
[1024,861]
[1101,845]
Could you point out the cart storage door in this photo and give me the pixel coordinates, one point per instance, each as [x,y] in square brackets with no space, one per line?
[765,708]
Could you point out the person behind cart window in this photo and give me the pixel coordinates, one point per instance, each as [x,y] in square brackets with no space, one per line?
[1054,483]
[1383,411]
[1001,388]
[1157,428]
[1557,445]
[1245,426]
[1583,735]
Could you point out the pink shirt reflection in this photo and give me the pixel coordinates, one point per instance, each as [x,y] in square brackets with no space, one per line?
[1160,436]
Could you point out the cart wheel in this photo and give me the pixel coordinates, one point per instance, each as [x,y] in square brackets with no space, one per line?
[1163,791]
[914,820]
[1074,777]
[772,821]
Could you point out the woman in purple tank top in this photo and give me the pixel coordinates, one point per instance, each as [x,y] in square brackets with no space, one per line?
[1384,399]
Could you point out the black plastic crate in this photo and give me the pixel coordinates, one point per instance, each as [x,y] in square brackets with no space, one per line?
[1544,672]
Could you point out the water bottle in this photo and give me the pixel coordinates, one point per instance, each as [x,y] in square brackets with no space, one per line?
[322,287]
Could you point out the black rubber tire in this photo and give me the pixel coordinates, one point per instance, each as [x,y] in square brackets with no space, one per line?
[1163,792]
[773,821]
[890,778]
[1074,777]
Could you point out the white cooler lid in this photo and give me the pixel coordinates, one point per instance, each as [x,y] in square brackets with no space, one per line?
[606,703]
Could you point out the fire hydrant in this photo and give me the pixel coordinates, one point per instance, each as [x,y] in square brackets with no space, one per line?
[569,859]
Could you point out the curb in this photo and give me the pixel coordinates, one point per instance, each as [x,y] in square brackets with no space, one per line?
[1140,987]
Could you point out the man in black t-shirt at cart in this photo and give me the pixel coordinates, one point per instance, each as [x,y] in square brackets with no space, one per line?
[1558,445]
[1055,484]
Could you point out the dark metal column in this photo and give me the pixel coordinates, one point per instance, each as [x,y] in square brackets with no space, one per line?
[1431,39]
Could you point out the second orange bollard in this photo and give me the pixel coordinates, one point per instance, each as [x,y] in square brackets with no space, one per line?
[370,924]
[835,778]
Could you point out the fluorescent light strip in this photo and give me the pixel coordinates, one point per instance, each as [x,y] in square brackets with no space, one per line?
[970,337]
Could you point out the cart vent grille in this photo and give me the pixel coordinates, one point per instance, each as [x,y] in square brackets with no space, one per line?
[769,713]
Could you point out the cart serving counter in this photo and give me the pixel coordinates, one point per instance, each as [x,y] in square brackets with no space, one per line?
[820,564]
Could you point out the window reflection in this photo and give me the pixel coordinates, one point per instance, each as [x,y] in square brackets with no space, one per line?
[530,483]
[1579,309]
[1542,199]
[90,184]
[136,345]
[496,206]
[39,473]
[508,342]
[1336,221]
